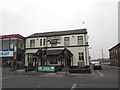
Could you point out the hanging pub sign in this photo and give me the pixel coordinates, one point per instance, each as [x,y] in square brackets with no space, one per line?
[6,53]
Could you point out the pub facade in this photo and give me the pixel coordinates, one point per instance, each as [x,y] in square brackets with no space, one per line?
[60,48]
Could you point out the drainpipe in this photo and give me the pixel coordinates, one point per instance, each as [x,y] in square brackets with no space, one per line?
[85,48]
[46,50]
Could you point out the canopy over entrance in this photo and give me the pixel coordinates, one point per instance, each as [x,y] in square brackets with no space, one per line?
[64,55]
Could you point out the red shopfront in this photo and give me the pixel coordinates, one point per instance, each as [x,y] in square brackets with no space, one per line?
[7,50]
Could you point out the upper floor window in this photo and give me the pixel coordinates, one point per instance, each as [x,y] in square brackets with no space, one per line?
[119,50]
[20,43]
[40,42]
[5,43]
[116,51]
[32,43]
[13,41]
[81,56]
[0,43]
[44,41]
[66,40]
[80,39]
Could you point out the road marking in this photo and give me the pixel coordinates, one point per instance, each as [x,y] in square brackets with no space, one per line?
[74,86]
[97,85]
[13,76]
[101,74]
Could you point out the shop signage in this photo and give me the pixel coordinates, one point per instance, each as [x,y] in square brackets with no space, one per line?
[54,41]
[6,53]
[46,69]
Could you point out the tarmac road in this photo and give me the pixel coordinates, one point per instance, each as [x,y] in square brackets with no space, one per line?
[105,78]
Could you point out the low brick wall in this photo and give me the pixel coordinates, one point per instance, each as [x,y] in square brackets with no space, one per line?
[80,71]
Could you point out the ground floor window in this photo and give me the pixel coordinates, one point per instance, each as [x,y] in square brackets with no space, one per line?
[81,56]
[53,60]
[31,57]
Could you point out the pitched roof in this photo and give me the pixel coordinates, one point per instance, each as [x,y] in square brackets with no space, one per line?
[54,52]
[59,33]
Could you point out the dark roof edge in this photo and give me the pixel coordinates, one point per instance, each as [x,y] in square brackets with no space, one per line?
[31,36]
[54,35]
[114,46]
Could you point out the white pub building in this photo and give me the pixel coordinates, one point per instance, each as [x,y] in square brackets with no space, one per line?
[60,48]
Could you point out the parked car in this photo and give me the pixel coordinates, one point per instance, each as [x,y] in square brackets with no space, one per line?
[97,66]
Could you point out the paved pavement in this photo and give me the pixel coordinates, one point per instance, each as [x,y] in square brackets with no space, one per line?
[105,78]
[57,74]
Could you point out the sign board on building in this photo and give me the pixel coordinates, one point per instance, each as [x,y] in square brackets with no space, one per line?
[81,64]
[54,41]
[6,53]
[46,69]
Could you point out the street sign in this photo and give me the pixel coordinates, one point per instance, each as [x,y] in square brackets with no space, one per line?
[46,69]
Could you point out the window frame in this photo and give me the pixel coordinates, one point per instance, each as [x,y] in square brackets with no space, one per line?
[6,41]
[66,41]
[41,42]
[79,40]
[119,49]
[44,42]
[1,43]
[81,56]
[30,57]
[54,60]
[32,43]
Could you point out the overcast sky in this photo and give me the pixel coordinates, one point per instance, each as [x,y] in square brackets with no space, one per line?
[26,17]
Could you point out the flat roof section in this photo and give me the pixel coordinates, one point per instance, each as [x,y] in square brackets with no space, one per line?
[12,35]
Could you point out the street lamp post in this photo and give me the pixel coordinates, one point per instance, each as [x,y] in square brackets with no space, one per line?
[102,54]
